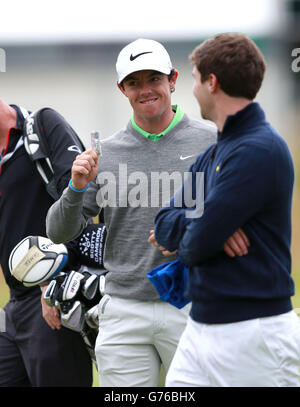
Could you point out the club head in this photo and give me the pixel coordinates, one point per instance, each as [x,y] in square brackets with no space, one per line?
[65,306]
[102,285]
[90,287]
[71,286]
[49,295]
[92,318]
[74,318]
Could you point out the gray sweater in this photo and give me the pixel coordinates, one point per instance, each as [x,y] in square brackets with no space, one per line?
[136,176]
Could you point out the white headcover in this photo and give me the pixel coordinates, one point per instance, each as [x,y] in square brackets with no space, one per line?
[36,259]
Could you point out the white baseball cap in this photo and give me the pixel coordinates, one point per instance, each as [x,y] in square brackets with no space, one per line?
[140,55]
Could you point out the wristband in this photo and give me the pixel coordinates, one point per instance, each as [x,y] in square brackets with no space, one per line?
[77,190]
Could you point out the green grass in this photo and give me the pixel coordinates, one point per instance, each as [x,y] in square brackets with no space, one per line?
[95,376]
[4,293]
[296,297]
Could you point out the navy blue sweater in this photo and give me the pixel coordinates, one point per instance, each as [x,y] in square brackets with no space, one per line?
[249,179]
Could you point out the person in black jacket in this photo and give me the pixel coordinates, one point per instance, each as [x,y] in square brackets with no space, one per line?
[242,330]
[33,352]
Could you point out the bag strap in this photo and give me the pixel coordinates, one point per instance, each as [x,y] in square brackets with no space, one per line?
[36,146]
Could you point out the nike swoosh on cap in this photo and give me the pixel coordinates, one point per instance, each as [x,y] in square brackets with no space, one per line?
[188,156]
[132,58]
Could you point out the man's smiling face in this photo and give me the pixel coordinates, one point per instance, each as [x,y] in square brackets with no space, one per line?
[149,93]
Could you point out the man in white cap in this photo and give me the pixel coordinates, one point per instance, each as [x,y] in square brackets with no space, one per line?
[137,331]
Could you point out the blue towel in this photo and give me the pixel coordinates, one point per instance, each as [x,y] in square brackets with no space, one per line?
[170,280]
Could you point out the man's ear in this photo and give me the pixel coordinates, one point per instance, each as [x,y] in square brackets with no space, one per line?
[120,86]
[173,79]
[213,83]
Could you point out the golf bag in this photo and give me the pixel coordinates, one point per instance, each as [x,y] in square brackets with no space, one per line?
[76,295]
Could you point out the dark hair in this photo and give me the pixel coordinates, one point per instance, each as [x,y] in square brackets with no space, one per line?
[236,61]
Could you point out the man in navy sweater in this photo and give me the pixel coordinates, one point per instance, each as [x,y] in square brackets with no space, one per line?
[241,330]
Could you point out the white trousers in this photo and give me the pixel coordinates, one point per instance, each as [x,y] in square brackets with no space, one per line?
[260,352]
[135,338]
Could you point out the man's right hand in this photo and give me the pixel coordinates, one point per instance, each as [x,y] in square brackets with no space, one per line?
[84,169]
[153,241]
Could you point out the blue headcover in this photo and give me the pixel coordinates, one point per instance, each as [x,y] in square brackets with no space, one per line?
[170,280]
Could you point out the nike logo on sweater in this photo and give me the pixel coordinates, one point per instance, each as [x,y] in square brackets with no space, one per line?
[188,156]
[132,58]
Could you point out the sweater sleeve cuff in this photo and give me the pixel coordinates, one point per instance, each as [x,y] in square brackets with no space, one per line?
[72,196]
[75,189]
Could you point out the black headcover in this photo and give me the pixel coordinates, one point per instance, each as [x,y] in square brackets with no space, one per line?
[87,249]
